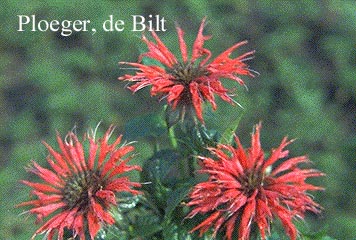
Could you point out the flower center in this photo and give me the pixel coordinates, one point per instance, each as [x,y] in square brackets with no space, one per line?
[251,181]
[79,189]
[186,72]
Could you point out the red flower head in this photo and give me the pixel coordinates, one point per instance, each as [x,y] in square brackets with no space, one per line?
[79,190]
[188,83]
[244,189]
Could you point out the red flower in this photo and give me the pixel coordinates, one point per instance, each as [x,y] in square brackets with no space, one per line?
[244,189]
[188,83]
[79,190]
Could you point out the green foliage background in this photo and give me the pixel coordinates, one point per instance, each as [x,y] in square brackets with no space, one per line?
[305,54]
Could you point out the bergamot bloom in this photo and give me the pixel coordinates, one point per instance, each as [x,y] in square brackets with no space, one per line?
[78,190]
[247,190]
[187,83]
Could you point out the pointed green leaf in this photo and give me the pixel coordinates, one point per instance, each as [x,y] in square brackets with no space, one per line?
[176,197]
[161,173]
[226,118]
[229,132]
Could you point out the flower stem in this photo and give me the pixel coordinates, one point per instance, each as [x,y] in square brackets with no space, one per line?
[172,137]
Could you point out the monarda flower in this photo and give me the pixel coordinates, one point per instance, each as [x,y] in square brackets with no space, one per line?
[188,83]
[78,190]
[245,189]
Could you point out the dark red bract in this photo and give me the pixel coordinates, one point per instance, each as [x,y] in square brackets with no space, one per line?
[79,189]
[188,83]
[244,189]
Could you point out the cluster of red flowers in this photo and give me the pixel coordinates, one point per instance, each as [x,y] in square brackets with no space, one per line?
[243,188]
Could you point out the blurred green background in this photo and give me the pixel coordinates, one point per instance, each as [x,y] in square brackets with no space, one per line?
[305,54]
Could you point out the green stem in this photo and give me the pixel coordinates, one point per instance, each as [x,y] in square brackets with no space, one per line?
[172,137]
[183,162]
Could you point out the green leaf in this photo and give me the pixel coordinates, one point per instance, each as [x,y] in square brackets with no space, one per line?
[150,125]
[128,202]
[173,231]
[195,139]
[146,226]
[206,137]
[229,132]
[135,218]
[176,197]
[163,166]
[111,232]
[161,173]
[226,118]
